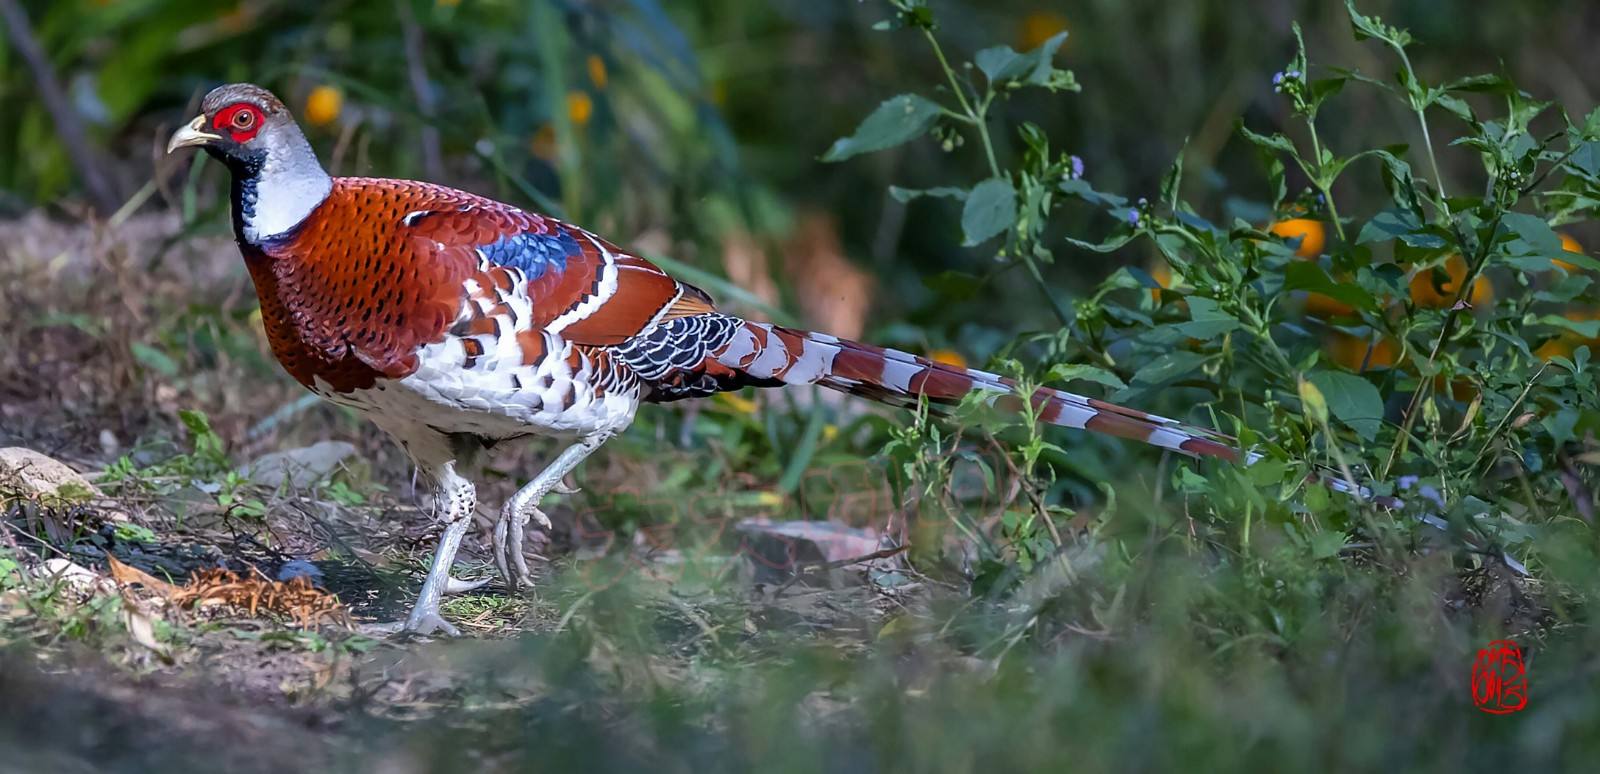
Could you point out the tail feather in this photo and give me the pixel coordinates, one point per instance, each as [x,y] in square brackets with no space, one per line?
[769,355]
[762,353]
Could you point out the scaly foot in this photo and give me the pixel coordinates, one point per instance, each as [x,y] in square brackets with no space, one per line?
[508,544]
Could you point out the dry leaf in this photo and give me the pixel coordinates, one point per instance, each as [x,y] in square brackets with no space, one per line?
[126,575]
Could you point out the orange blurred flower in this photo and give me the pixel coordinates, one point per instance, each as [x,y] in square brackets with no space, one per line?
[1430,293]
[1350,351]
[1038,27]
[1570,245]
[1162,274]
[949,357]
[1313,237]
[543,143]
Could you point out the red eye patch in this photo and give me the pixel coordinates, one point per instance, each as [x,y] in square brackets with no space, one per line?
[239,121]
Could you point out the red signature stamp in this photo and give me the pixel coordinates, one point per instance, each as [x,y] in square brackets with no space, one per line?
[1500,679]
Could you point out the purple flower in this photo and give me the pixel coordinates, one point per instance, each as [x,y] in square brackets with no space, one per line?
[1077,166]
[1133,217]
[1277,78]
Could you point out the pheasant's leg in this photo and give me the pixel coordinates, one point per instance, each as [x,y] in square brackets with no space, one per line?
[457,498]
[525,504]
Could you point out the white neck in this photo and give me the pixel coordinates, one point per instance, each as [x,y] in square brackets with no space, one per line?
[288,186]
[283,199]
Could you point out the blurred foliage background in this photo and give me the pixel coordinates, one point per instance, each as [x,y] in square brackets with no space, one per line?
[694,127]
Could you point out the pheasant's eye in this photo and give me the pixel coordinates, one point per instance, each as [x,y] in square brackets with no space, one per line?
[244,119]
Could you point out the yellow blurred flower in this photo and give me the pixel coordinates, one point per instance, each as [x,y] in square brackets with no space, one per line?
[949,357]
[597,71]
[323,105]
[737,402]
[580,108]
[1038,27]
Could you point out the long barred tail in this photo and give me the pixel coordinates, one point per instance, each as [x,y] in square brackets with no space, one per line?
[701,354]
[766,354]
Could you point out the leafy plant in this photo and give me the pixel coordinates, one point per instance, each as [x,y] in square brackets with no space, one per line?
[1474,417]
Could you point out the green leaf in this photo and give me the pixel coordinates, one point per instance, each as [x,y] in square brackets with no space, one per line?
[896,121]
[1352,400]
[154,359]
[1066,372]
[1402,224]
[1000,64]
[1324,89]
[195,422]
[1207,320]
[1172,182]
[1326,544]
[1457,106]
[1169,367]
[1587,158]
[954,285]
[904,195]
[991,209]
[1308,275]
[1494,84]
[1272,142]
[1372,27]
[1081,189]
[1111,244]
[1534,234]
[1588,329]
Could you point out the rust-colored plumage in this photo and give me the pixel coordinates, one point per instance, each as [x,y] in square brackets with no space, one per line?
[447,317]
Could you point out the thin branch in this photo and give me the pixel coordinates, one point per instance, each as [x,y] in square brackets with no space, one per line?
[421,90]
[68,125]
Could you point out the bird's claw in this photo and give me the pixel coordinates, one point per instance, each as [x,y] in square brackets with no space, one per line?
[458,586]
[508,542]
[562,487]
[420,623]
[427,623]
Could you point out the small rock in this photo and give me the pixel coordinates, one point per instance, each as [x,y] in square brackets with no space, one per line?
[300,467]
[109,443]
[29,474]
[296,568]
[75,576]
[779,549]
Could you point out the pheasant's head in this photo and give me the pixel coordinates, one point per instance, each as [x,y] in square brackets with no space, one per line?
[277,179]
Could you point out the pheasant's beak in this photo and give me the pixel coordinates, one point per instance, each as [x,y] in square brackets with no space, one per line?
[191,135]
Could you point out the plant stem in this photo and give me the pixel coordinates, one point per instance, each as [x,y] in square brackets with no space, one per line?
[1423,389]
[1038,277]
[1327,190]
[976,115]
[1427,138]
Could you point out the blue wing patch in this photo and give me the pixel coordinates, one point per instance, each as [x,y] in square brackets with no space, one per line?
[534,254]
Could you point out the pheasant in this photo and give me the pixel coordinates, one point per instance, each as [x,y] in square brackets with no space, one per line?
[453,321]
